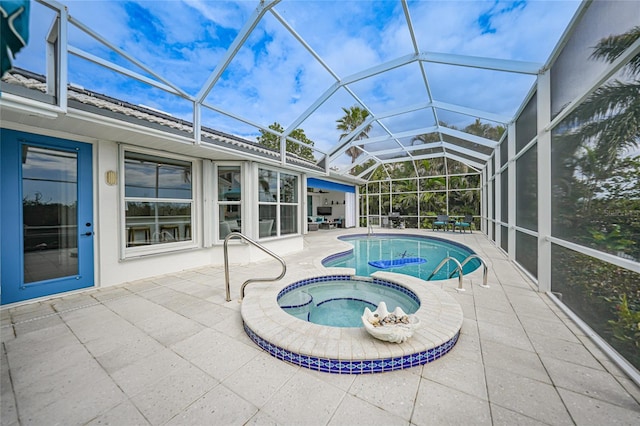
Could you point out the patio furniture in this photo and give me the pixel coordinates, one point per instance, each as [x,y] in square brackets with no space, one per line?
[132,233]
[464,224]
[327,224]
[169,232]
[442,221]
[315,219]
[233,225]
[395,221]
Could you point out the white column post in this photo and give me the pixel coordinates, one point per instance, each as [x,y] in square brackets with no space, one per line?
[544,182]
[497,177]
[511,151]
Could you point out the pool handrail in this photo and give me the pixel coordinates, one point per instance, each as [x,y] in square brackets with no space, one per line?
[239,235]
[485,269]
[458,268]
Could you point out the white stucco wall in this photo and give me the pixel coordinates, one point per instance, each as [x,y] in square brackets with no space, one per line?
[113,269]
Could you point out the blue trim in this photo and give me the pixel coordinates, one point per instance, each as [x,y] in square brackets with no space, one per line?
[331,278]
[14,288]
[330,186]
[353,366]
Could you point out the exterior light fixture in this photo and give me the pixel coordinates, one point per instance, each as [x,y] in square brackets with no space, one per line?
[110,177]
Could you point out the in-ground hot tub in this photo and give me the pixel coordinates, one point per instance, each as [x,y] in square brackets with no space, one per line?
[340,302]
[351,350]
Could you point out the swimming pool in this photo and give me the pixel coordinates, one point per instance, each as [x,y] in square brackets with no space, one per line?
[399,246]
[340,302]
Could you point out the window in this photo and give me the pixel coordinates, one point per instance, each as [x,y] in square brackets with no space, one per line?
[229,200]
[158,200]
[278,203]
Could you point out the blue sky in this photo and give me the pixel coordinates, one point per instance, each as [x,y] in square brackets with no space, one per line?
[273,78]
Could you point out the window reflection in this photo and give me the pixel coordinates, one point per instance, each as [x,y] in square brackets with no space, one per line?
[596,190]
[267,215]
[278,203]
[154,177]
[229,200]
[49,213]
[229,183]
[268,185]
[158,200]
[288,188]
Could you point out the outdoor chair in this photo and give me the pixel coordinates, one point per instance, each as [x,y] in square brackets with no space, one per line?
[265,228]
[225,230]
[311,225]
[464,224]
[442,221]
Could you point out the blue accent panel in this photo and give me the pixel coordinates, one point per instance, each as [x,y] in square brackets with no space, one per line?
[10,216]
[330,186]
[13,287]
[386,264]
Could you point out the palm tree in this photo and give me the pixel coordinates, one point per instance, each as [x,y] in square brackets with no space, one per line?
[596,135]
[609,117]
[431,167]
[425,138]
[485,130]
[353,117]
[272,141]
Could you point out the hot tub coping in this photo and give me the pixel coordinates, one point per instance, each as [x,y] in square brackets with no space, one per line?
[301,342]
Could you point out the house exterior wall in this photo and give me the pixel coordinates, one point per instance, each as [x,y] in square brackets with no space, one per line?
[113,265]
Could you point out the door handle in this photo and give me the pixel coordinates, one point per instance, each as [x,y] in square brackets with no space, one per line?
[88,234]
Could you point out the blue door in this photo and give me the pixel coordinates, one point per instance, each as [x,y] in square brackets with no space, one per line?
[47,216]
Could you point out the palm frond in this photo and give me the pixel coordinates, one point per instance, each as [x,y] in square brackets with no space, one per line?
[610,48]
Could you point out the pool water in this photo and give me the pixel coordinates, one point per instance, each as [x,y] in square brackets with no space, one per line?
[341,302]
[393,246]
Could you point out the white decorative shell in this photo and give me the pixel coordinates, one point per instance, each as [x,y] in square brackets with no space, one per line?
[395,333]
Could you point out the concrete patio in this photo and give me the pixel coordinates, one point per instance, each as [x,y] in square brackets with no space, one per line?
[170,350]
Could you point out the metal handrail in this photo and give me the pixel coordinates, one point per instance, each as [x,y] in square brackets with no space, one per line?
[226,263]
[369,229]
[485,269]
[458,268]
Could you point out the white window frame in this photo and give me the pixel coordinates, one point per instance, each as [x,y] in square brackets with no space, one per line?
[152,249]
[217,203]
[277,203]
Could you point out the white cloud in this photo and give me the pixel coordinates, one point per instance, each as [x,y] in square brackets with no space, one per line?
[226,14]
